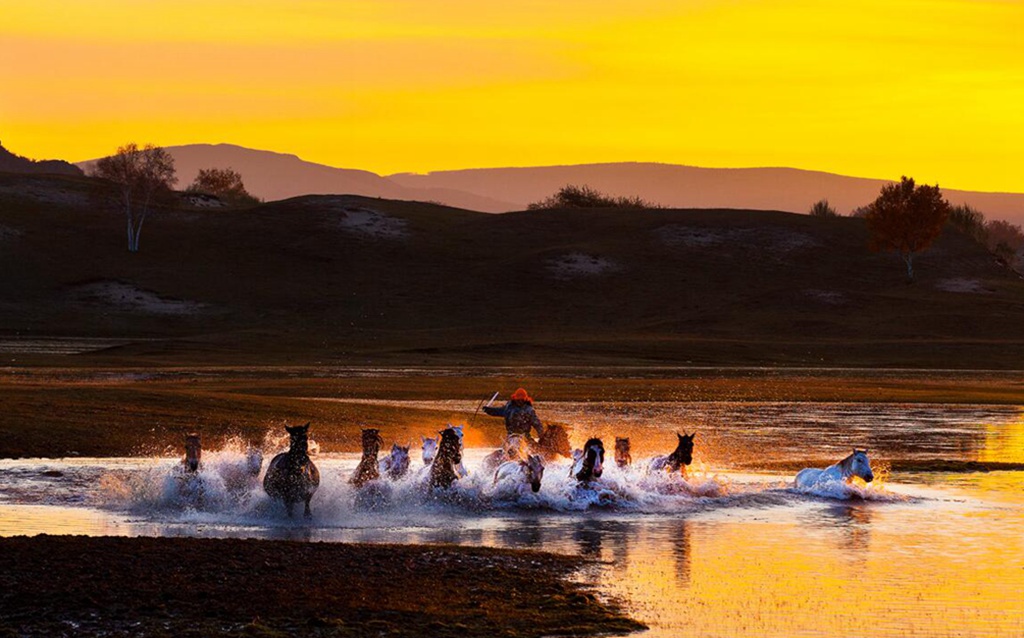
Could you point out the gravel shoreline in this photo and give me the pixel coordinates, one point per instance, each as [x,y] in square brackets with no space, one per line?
[82,586]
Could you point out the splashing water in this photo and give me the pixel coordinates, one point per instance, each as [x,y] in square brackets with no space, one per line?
[224,491]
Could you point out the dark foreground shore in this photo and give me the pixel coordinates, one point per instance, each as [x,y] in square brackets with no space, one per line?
[80,586]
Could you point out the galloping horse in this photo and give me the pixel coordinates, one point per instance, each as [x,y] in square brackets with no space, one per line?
[553,443]
[680,457]
[589,463]
[511,450]
[292,476]
[857,464]
[396,463]
[623,457]
[429,449]
[193,453]
[530,471]
[460,468]
[368,469]
[449,456]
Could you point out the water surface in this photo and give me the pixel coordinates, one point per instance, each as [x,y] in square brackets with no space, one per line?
[730,550]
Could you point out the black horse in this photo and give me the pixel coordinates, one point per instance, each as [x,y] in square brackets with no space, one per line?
[680,457]
[291,476]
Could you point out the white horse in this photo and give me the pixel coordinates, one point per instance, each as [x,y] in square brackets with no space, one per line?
[857,464]
[429,449]
[396,463]
[521,473]
[511,450]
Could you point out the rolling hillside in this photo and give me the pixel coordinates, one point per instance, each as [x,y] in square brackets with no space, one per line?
[274,176]
[347,279]
[787,189]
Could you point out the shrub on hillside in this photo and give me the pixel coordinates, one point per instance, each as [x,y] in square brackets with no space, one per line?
[823,209]
[225,183]
[969,221]
[571,196]
[1004,239]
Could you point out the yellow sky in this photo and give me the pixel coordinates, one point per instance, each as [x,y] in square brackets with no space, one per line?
[931,88]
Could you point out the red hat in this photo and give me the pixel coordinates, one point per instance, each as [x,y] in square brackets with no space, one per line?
[521,395]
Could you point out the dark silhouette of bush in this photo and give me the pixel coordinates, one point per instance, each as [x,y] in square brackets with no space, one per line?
[225,183]
[969,221]
[1005,240]
[906,219]
[572,196]
[822,209]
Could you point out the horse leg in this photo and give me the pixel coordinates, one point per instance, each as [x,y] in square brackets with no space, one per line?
[288,505]
[308,513]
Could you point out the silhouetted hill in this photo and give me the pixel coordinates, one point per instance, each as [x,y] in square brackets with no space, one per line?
[348,279]
[674,186]
[11,163]
[275,176]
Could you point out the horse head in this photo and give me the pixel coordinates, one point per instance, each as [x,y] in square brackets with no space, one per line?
[450,448]
[534,471]
[555,440]
[298,439]
[512,448]
[193,452]
[683,454]
[400,452]
[429,449]
[371,442]
[593,460]
[860,466]
[623,457]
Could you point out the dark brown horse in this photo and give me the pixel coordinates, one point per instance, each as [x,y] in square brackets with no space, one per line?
[680,457]
[368,468]
[449,455]
[623,456]
[193,453]
[553,443]
[292,476]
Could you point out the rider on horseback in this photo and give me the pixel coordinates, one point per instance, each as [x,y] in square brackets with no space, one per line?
[519,415]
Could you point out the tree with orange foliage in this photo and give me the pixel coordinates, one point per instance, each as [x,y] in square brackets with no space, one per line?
[906,219]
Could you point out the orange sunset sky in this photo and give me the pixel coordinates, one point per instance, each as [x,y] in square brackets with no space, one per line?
[872,87]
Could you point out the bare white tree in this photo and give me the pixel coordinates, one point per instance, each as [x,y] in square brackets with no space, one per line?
[140,176]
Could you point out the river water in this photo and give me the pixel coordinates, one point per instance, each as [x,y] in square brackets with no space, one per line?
[730,550]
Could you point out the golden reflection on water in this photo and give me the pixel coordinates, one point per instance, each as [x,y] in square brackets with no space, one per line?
[1004,442]
[842,570]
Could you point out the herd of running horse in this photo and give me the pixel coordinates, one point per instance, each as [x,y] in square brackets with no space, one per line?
[292,477]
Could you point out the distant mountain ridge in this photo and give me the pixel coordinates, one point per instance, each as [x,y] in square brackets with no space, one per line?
[11,163]
[677,186]
[274,176]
